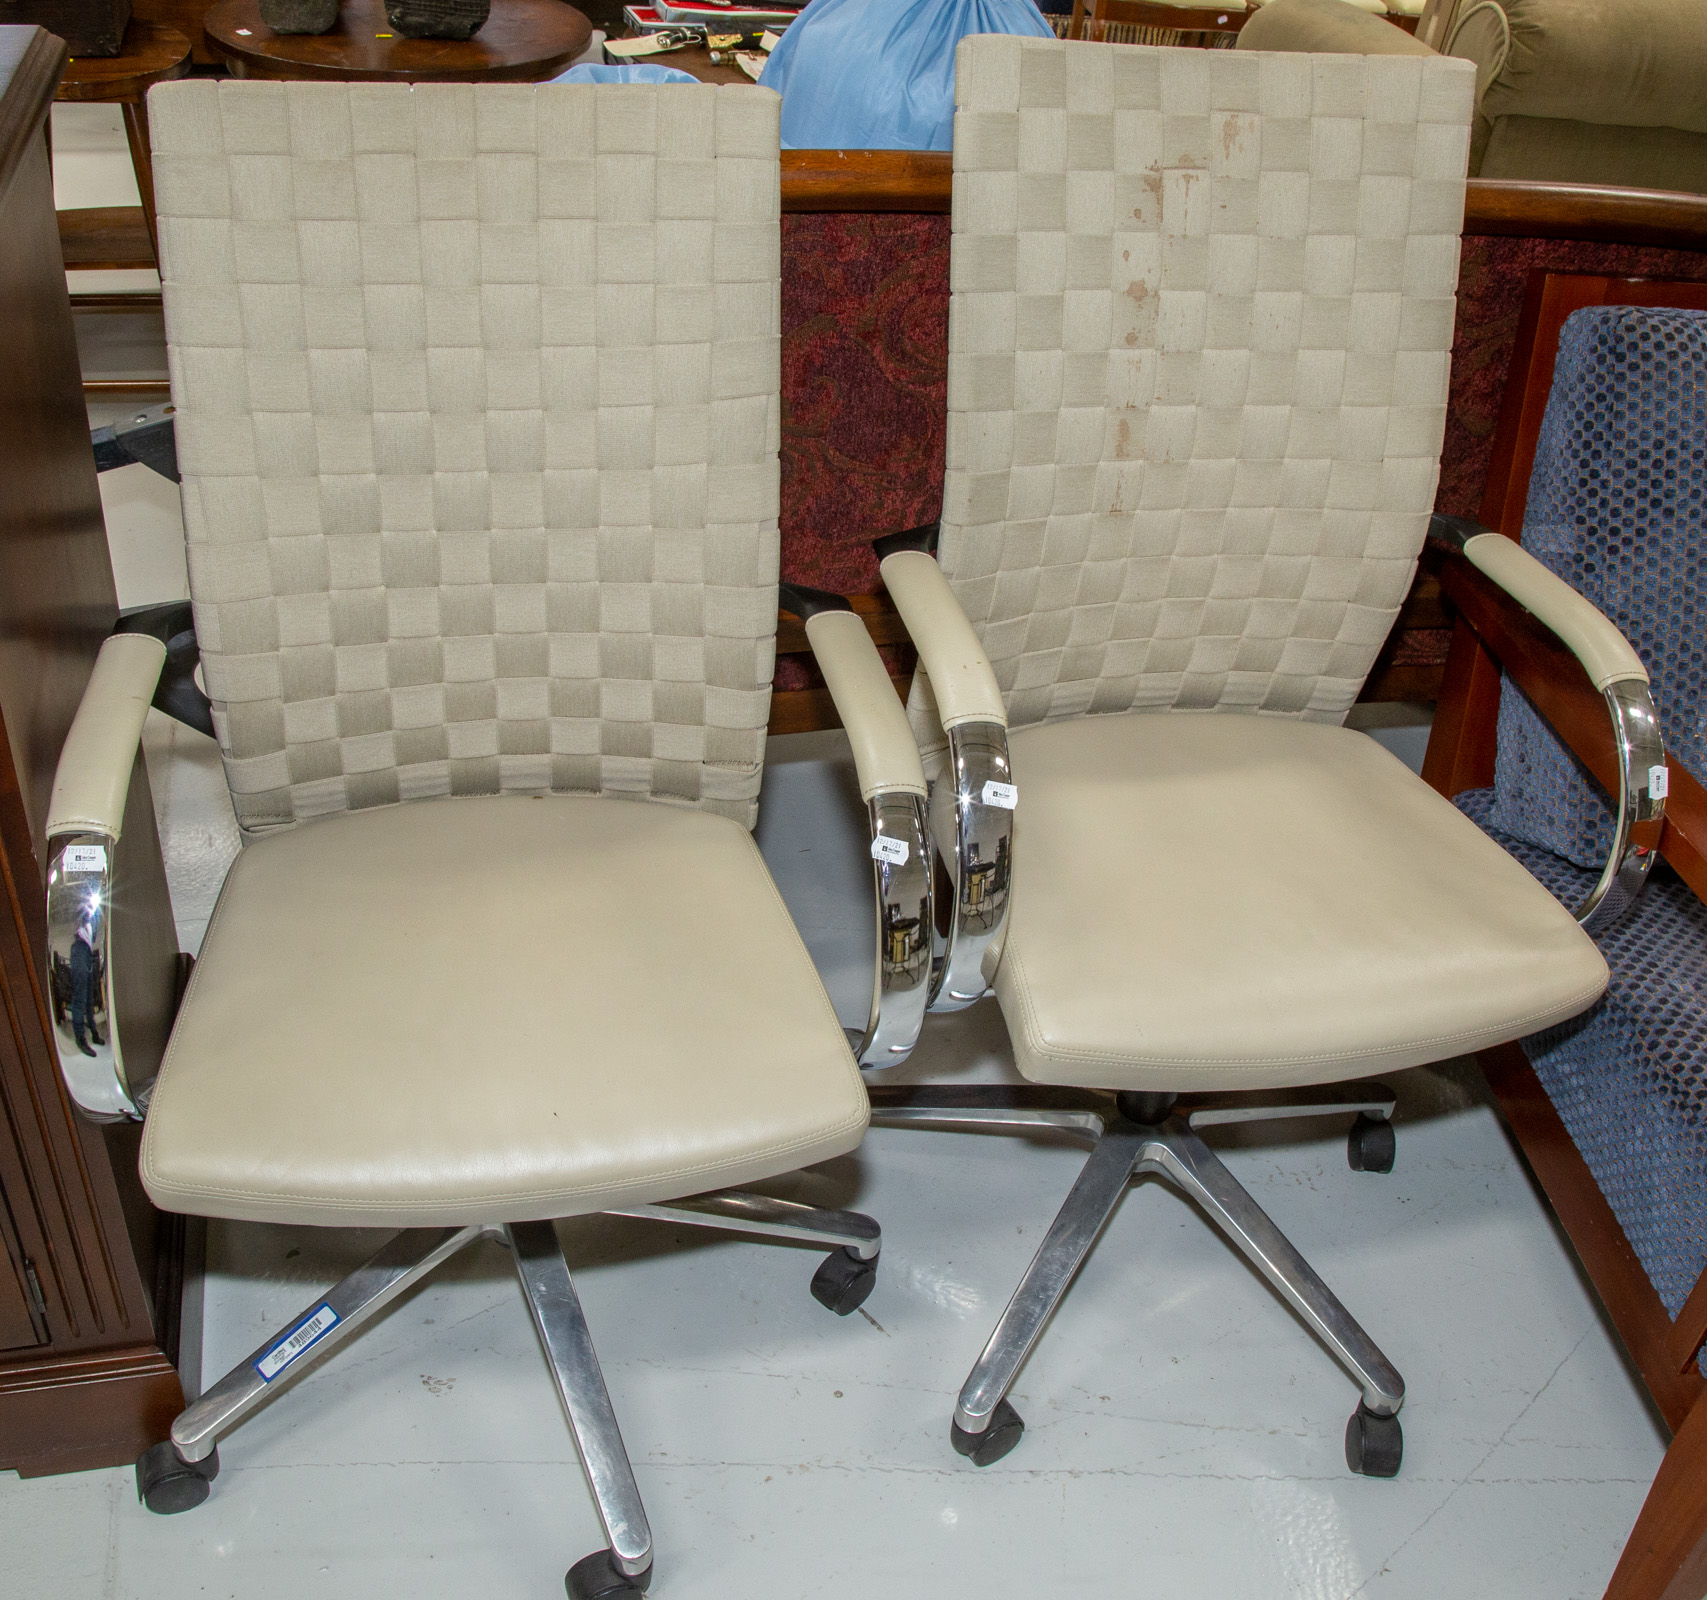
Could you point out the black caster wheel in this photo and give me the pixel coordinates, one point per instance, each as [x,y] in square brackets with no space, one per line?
[986,1448]
[1372,1145]
[1374,1445]
[595,1577]
[167,1483]
[843,1281]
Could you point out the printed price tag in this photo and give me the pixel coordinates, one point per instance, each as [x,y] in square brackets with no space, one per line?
[1004,795]
[1659,782]
[894,851]
[85,858]
[316,1327]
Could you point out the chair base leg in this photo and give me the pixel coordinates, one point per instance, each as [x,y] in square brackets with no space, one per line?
[843,1280]
[568,1346]
[1170,1150]
[403,1260]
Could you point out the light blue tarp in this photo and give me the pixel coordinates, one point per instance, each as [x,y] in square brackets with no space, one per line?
[879,74]
[629,72]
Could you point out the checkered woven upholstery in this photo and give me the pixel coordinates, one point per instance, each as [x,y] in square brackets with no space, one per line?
[478,418]
[1201,312]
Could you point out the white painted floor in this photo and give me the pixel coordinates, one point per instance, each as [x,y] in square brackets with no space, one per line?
[1184,1431]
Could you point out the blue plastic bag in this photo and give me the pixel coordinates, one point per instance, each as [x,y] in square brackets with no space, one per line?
[879,74]
[629,72]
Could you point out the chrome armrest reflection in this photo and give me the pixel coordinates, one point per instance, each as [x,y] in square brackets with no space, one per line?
[967,806]
[80,978]
[901,867]
[1641,805]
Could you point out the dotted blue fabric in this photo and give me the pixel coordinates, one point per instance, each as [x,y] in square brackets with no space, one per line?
[1618,509]
[1629,1077]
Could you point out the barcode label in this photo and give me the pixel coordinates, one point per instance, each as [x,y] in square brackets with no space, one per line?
[1004,795]
[85,858]
[1659,782]
[295,1342]
[894,851]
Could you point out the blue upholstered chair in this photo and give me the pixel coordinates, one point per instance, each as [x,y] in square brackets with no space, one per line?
[1610,1107]
[1618,509]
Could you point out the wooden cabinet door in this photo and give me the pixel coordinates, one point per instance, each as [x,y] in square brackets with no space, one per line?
[21,1322]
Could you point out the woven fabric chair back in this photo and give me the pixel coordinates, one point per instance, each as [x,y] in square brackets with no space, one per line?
[1200,323]
[478,417]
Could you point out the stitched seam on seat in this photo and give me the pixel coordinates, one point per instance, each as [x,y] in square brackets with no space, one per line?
[1035,1041]
[520,1196]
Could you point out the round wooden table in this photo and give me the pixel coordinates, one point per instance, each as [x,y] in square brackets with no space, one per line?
[152,53]
[522,41]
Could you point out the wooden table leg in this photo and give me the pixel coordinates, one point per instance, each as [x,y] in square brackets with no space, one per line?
[142,158]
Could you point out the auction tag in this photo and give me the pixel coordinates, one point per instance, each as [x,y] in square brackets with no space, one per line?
[651,44]
[306,1333]
[1004,795]
[894,851]
[1659,783]
[84,858]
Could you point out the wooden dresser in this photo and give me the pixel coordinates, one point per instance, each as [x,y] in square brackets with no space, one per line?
[90,1274]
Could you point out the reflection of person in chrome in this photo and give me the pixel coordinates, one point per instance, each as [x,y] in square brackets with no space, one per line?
[83,979]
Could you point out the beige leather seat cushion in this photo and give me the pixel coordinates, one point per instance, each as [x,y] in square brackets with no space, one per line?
[496,1009]
[1215,901]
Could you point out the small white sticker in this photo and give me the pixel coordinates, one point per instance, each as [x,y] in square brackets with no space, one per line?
[1004,795]
[85,858]
[1659,782]
[295,1342]
[894,851]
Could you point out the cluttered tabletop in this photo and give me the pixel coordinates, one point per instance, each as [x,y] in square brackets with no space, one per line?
[716,43]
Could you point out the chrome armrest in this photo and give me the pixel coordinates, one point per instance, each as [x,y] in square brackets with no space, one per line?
[1617,671]
[973,802]
[85,818]
[892,783]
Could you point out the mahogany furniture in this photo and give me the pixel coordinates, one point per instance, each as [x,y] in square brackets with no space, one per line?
[89,1282]
[152,53]
[523,41]
[1192,24]
[1666,1557]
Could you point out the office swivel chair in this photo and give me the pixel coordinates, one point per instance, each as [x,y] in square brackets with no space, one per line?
[1198,342]
[477,416]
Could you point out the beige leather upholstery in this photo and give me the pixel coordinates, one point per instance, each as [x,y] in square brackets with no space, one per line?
[478,417]
[498,1009]
[93,776]
[886,758]
[1202,308]
[1223,902]
[964,687]
[1607,656]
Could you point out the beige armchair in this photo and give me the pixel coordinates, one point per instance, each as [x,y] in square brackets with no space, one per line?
[1567,91]
[1202,312]
[477,418]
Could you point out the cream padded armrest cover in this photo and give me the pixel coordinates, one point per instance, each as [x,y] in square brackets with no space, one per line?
[966,689]
[885,754]
[1242,902]
[499,1009]
[1590,636]
[93,777]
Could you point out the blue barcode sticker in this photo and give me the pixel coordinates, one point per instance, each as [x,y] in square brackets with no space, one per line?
[306,1333]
